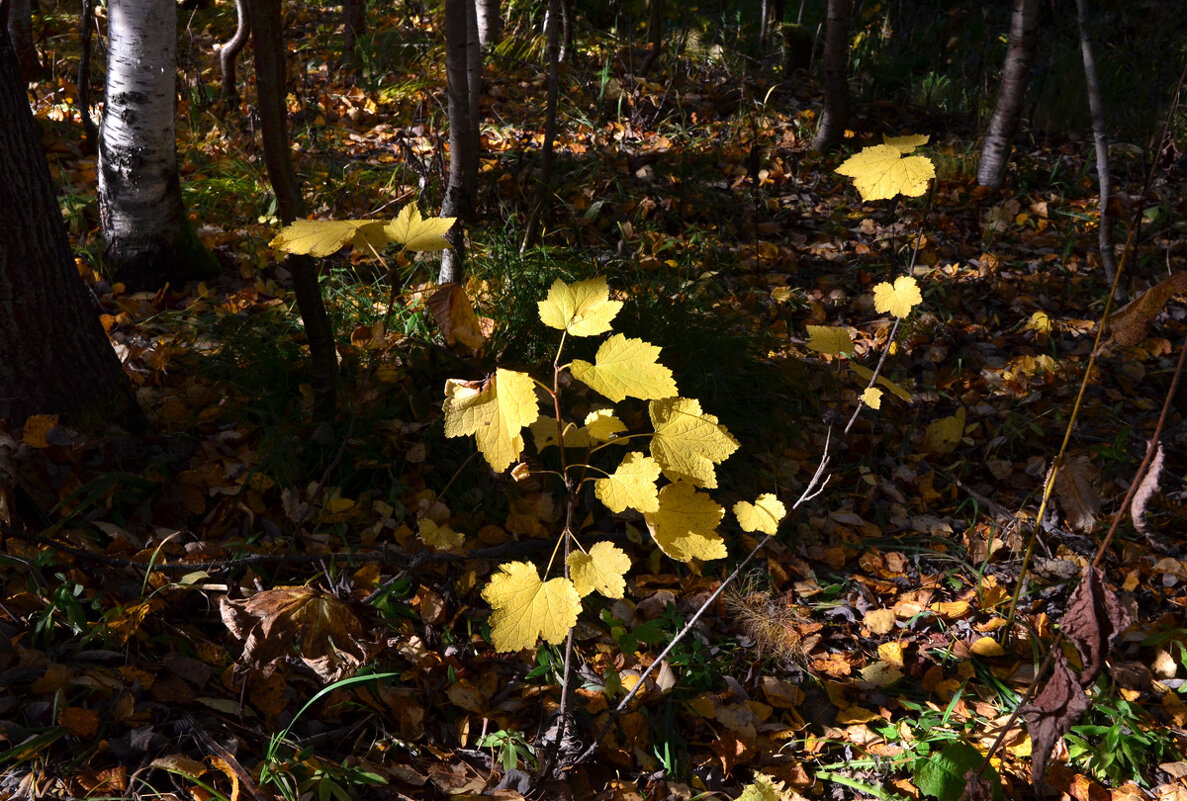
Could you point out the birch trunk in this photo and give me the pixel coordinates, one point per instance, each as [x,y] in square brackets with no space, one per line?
[490,22]
[1101,138]
[461,38]
[1003,126]
[54,356]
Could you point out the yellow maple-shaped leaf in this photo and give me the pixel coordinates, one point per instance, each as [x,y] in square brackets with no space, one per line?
[762,515]
[439,538]
[687,442]
[685,525]
[494,411]
[872,397]
[414,232]
[898,299]
[323,237]
[865,374]
[906,144]
[603,426]
[544,435]
[626,367]
[631,485]
[764,788]
[526,608]
[943,435]
[882,171]
[829,340]
[583,309]
[600,570]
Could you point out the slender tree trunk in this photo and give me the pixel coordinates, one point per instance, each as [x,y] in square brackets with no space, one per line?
[354,21]
[149,241]
[540,208]
[567,12]
[764,25]
[834,75]
[86,35]
[490,22]
[231,50]
[54,356]
[655,28]
[1003,126]
[20,28]
[1097,107]
[264,17]
[461,37]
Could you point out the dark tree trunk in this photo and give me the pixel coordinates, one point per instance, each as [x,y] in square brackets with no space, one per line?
[84,74]
[354,22]
[231,50]
[264,17]
[54,356]
[1003,126]
[540,208]
[461,39]
[1101,138]
[834,75]
[655,28]
[20,28]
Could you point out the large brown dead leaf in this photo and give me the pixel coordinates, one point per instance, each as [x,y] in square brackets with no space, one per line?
[1145,491]
[1093,620]
[1052,713]
[455,316]
[1075,493]
[1128,326]
[326,631]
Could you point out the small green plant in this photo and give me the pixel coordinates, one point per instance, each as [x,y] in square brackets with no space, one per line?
[511,747]
[1118,745]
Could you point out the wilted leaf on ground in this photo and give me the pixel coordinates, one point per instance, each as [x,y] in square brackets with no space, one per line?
[626,367]
[685,525]
[1146,491]
[527,608]
[494,411]
[1074,491]
[763,515]
[271,622]
[631,485]
[1093,620]
[601,570]
[419,233]
[687,442]
[1052,714]
[897,299]
[583,309]
[880,172]
[1128,325]
[454,314]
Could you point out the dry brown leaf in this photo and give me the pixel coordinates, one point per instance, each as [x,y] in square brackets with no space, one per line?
[1052,713]
[1075,493]
[1128,325]
[455,317]
[1144,492]
[1093,619]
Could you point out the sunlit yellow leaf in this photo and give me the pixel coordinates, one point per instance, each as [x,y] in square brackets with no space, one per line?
[603,426]
[494,411]
[419,233]
[872,397]
[600,570]
[906,144]
[323,237]
[829,340]
[882,171]
[631,486]
[439,538]
[1040,322]
[865,374]
[685,526]
[898,299]
[583,309]
[764,788]
[762,515]
[526,608]
[943,435]
[626,367]
[544,434]
[687,442]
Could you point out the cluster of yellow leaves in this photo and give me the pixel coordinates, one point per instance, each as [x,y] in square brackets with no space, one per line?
[323,237]
[686,446]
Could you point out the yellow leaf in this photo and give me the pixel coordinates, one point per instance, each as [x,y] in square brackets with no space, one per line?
[762,515]
[872,397]
[906,144]
[544,435]
[439,538]
[37,427]
[526,608]
[865,374]
[764,788]
[494,411]
[687,442]
[323,237]
[829,340]
[943,435]
[898,299]
[879,621]
[986,646]
[685,526]
[631,486]
[881,172]
[582,309]
[600,570]
[1040,322]
[626,367]
[603,426]
[419,233]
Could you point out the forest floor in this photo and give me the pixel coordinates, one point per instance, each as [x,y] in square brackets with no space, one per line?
[863,654]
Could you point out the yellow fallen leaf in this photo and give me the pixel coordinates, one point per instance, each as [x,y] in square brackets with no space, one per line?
[526,609]
[943,435]
[879,621]
[439,538]
[829,340]
[986,646]
[600,570]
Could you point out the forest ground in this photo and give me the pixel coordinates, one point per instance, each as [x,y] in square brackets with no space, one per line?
[862,643]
